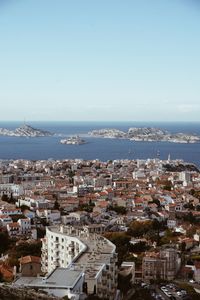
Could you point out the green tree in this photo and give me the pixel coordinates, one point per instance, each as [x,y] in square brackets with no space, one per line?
[24,207]
[122,242]
[4,242]
[56,205]
[124,283]
[5,198]
[120,210]
[139,228]
[139,247]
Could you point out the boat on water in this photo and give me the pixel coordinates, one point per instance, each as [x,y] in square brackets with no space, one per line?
[74,140]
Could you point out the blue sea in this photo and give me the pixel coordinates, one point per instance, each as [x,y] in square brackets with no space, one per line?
[97,148]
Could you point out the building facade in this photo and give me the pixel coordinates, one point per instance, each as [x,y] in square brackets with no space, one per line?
[91,253]
[161,265]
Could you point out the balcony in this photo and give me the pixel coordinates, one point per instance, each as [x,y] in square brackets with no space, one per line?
[56,263]
[56,255]
[44,246]
[44,256]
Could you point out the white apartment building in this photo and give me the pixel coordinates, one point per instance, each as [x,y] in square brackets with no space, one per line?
[10,211]
[20,228]
[9,189]
[25,226]
[91,253]
[52,216]
[4,220]
[39,203]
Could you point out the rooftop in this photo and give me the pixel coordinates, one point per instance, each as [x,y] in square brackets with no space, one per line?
[60,277]
[97,253]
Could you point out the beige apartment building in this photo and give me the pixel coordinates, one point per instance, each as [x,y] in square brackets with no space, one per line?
[161,265]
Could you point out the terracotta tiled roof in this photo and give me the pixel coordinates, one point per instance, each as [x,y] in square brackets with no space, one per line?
[14,225]
[30,259]
[7,272]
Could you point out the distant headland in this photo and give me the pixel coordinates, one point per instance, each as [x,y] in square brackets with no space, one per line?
[147,134]
[24,131]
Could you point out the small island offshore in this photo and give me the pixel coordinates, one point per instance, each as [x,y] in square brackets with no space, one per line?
[73,140]
[147,134]
[24,131]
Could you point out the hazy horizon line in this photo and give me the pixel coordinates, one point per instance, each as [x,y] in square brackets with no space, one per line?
[97,121]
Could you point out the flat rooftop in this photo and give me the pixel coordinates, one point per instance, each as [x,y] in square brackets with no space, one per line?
[98,251]
[60,277]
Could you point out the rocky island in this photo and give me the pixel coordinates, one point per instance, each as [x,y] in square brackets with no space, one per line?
[147,134]
[74,140]
[24,131]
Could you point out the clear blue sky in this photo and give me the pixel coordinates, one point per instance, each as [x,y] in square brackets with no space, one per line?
[100,60]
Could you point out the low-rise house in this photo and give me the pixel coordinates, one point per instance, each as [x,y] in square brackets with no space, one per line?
[189,242]
[140,203]
[30,266]
[79,216]
[25,226]
[101,206]
[70,204]
[52,216]
[35,202]
[171,223]
[60,282]
[67,219]
[10,211]
[7,272]
[120,201]
[13,229]
[4,220]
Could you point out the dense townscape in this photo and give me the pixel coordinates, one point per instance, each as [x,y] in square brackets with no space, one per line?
[121,229]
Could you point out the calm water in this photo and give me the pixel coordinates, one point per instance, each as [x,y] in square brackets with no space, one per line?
[103,149]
